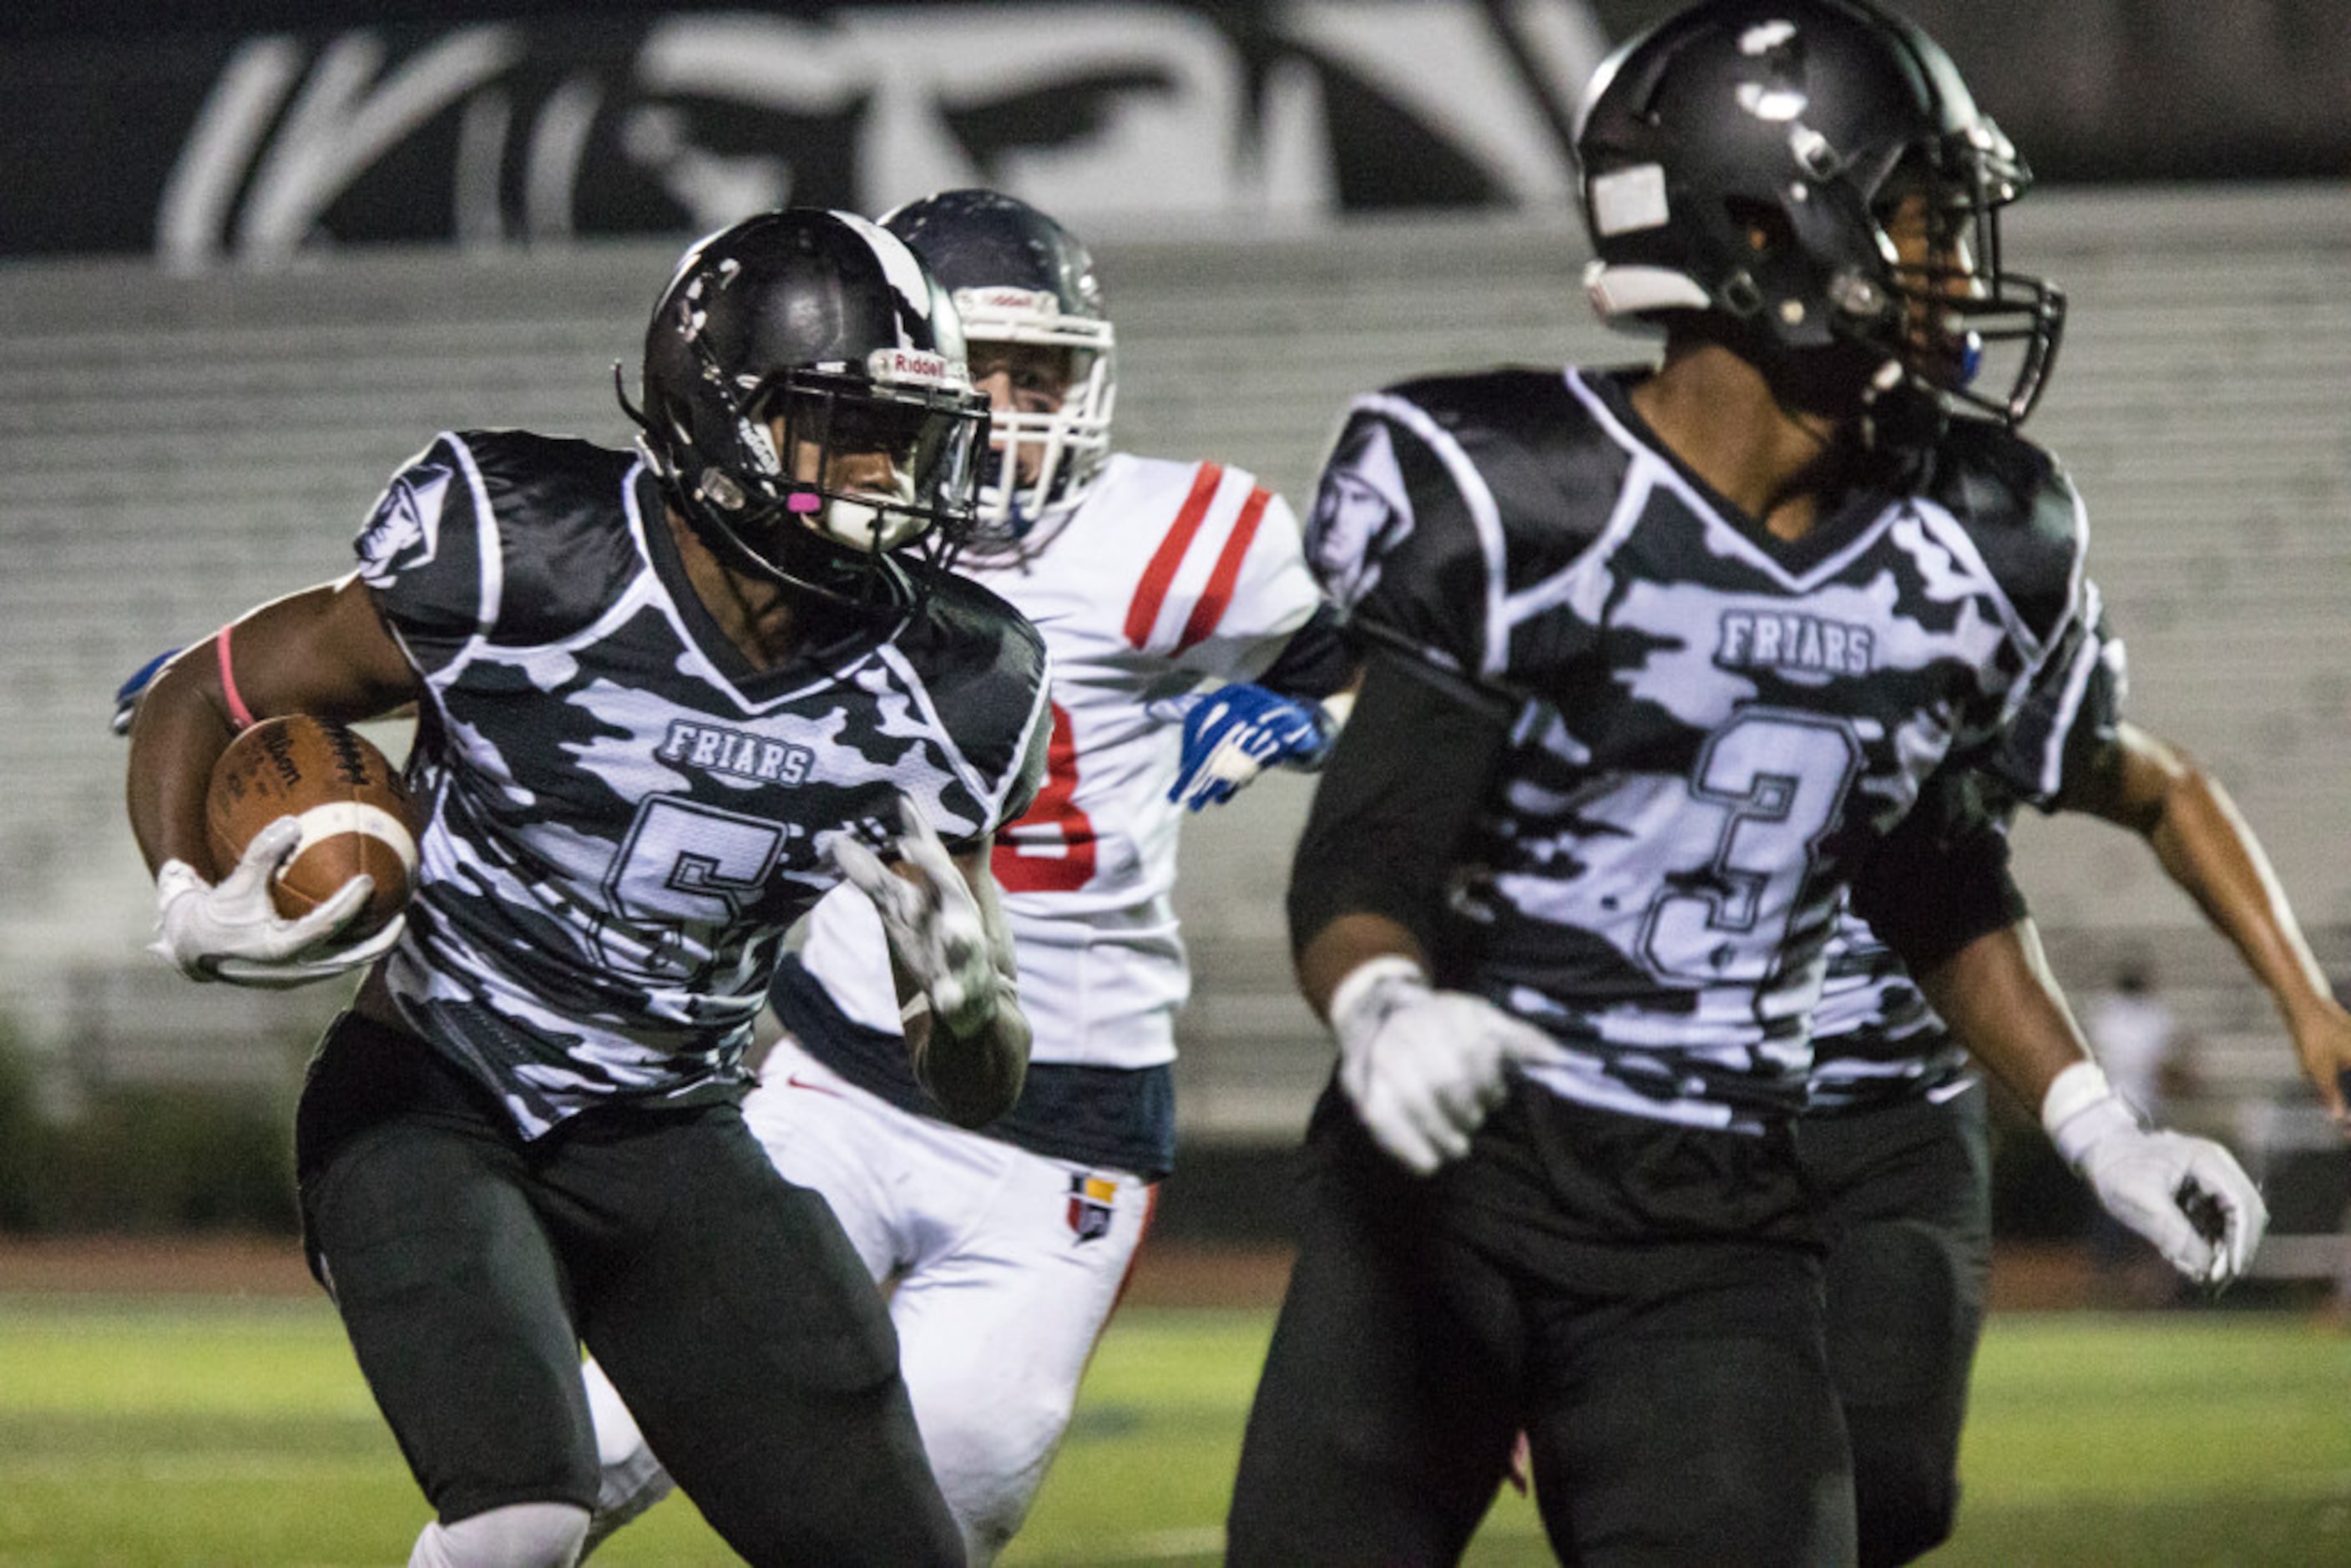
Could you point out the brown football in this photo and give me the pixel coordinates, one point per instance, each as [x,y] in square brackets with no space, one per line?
[355,815]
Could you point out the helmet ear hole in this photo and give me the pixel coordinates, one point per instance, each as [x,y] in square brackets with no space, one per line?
[1766,228]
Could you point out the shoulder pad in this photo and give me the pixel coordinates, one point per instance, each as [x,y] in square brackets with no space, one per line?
[564,540]
[1446,494]
[1540,449]
[984,664]
[1513,402]
[2020,510]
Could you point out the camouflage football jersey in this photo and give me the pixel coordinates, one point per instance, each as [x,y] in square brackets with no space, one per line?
[1168,577]
[624,815]
[1875,1039]
[1713,725]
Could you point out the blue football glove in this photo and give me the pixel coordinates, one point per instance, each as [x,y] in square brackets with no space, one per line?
[127,695]
[1234,733]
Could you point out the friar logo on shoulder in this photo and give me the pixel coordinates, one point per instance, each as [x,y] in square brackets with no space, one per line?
[1361,514]
[404,530]
[1788,642]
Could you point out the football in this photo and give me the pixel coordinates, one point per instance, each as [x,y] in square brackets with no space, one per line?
[355,813]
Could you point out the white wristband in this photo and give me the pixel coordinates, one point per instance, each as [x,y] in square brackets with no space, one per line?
[2070,1092]
[1373,974]
[175,878]
[2081,1111]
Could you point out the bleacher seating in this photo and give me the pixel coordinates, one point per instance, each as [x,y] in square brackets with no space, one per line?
[176,449]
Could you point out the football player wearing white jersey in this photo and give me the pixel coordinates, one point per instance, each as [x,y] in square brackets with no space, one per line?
[1894,1139]
[1190,648]
[667,699]
[1663,660]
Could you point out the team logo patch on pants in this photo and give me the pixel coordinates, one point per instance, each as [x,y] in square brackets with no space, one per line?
[1090,1206]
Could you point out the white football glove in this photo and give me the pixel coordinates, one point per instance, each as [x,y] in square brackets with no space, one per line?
[935,925]
[230,930]
[1424,1067]
[2186,1196]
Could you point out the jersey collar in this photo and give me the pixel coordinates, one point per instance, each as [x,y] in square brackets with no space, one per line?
[1851,515]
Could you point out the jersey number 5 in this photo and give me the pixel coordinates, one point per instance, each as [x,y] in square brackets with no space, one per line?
[1765,789]
[684,878]
[1052,848]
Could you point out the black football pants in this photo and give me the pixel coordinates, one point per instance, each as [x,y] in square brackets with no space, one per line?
[1559,1280]
[1907,1191]
[725,1304]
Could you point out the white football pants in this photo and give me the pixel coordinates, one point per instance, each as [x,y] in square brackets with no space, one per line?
[1004,1266]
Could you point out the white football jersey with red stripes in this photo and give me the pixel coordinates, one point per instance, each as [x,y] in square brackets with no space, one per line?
[1171,578]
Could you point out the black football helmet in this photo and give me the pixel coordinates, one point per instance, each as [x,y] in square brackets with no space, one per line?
[828,324]
[1743,157]
[1018,277]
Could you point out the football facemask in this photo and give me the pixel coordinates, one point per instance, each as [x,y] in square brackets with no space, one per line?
[1040,460]
[867,465]
[807,410]
[1961,327]
[1742,161]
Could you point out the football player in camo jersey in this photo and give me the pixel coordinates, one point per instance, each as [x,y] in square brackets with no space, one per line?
[667,699]
[1190,648]
[1660,661]
[1893,1140]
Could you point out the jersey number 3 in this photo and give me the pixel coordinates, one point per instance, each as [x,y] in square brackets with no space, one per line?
[1052,848]
[1766,788]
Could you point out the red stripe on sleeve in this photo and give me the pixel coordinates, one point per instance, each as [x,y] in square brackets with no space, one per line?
[1219,596]
[1151,592]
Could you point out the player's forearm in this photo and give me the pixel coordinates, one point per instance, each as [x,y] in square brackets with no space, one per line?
[1399,796]
[2207,847]
[974,1072]
[1998,997]
[1346,944]
[975,1077]
[320,650]
[179,731]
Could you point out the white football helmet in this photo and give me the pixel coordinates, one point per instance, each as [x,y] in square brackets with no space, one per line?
[1020,277]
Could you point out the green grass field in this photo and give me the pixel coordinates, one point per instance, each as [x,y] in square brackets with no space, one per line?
[150,1431]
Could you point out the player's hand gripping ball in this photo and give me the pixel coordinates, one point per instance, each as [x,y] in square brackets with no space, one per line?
[353,813]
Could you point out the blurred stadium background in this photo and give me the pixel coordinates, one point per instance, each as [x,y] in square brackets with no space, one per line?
[253,254]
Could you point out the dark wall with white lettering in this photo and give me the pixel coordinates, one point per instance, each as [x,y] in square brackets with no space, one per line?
[256,131]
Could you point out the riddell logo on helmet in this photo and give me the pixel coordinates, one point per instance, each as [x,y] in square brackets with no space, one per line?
[1026,301]
[914,365]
